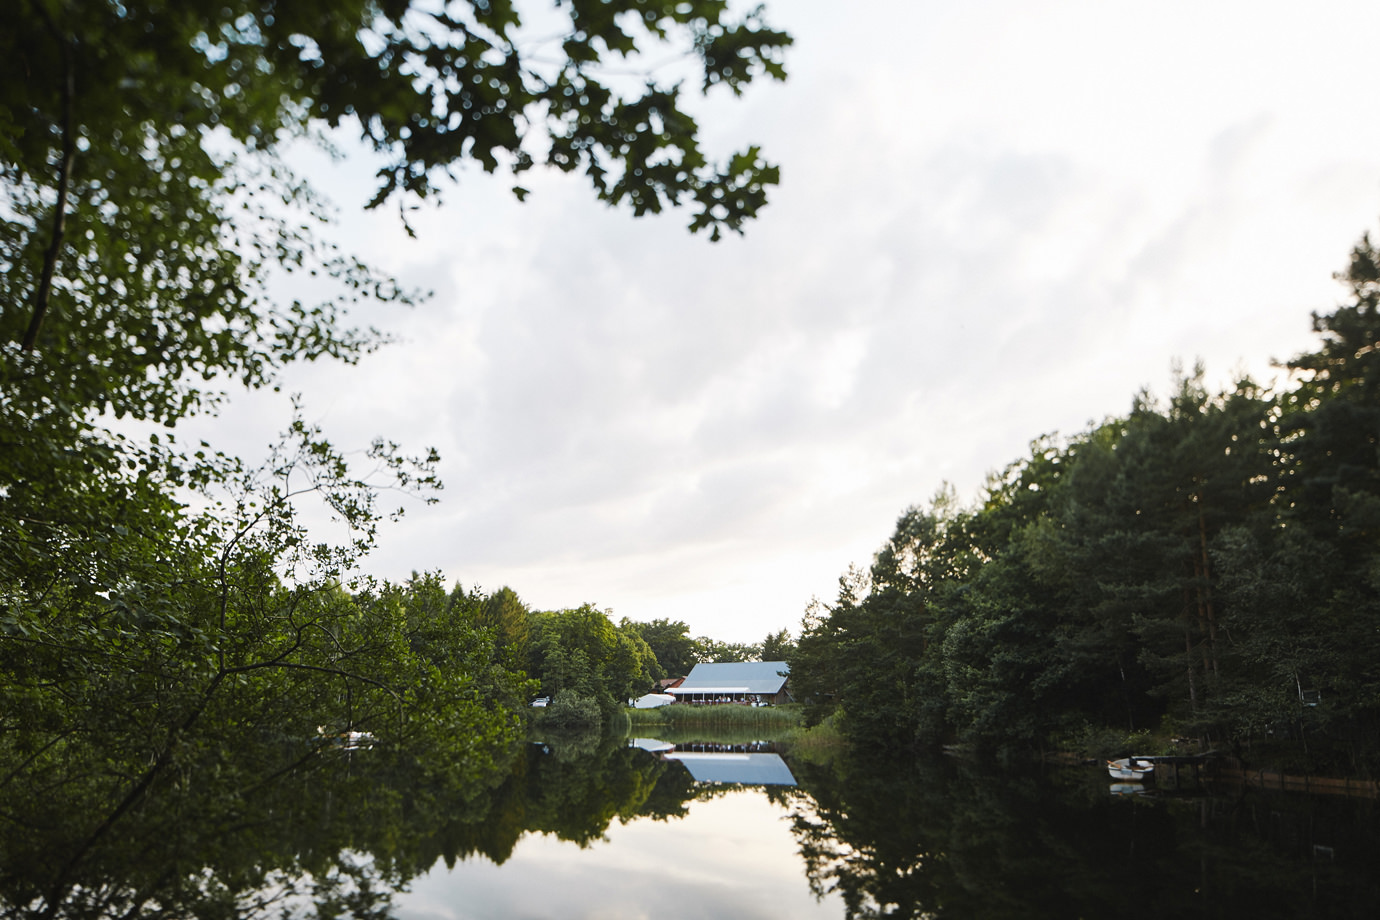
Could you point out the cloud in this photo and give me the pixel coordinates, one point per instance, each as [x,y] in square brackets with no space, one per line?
[996,220]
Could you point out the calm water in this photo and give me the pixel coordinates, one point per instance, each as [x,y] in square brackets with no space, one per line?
[731,856]
[860,838]
[603,828]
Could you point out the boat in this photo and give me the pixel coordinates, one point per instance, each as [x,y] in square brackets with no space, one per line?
[1131,768]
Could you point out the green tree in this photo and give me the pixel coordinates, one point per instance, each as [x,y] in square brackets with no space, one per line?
[581,651]
[162,605]
[670,641]
[778,646]
[711,650]
[507,616]
[147,213]
[115,119]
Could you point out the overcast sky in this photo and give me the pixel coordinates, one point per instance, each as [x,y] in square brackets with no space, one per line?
[996,220]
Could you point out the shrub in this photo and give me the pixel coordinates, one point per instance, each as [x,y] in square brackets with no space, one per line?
[571,710]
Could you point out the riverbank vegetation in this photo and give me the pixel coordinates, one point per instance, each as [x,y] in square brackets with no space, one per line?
[683,717]
[1205,567]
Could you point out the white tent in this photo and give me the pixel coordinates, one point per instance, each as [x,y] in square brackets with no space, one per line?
[653,700]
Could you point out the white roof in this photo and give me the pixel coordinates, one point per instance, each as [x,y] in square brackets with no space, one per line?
[766,677]
[742,688]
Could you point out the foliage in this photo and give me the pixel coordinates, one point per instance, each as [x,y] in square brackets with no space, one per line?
[778,646]
[152,747]
[677,652]
[173,638]
[509,619]
[711,650]
[670,641]
[581,651]
[571,711]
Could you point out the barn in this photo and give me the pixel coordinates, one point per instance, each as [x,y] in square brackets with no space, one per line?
[750,682]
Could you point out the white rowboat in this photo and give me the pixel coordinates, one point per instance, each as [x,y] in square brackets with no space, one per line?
[1130,768]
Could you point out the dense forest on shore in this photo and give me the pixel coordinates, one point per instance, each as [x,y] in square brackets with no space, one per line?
[1206,567]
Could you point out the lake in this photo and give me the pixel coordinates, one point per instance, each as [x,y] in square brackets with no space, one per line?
[861,838]
[611,827]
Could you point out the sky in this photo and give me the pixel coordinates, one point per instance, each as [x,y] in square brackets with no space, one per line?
[997,220]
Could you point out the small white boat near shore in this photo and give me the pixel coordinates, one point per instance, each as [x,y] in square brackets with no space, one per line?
[1133,769]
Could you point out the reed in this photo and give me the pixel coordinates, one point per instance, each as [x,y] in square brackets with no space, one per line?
[682,718]
[826,737]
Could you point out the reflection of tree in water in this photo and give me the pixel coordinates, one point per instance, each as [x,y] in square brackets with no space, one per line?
[336,835]
[336,826]
[573,789]
[340,834]
[940,839]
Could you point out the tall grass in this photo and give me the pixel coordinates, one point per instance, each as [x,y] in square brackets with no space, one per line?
[818,742]
[767,721]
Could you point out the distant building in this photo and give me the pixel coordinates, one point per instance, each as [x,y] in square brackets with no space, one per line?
[752,682]
[666,683]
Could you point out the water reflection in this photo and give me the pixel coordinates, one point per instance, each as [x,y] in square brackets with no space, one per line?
[729,856]
[945,839]
[754,763]
[600,826]
[741,769]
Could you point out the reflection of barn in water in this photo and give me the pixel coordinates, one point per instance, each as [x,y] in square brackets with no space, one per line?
[754,763]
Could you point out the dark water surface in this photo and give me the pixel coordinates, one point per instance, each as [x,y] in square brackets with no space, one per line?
[859,837]
[602,827]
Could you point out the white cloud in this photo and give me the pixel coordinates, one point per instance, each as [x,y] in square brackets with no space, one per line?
[996,220]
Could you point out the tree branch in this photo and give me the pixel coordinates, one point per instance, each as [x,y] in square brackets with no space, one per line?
[43,294]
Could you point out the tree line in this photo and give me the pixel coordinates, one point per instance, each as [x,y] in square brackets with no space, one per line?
[586,665]
[1206,566]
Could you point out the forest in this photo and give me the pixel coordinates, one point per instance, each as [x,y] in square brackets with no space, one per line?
[1203,571]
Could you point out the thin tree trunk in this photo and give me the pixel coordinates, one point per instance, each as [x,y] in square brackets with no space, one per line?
[43,294]
[1192,682]
[1205,589]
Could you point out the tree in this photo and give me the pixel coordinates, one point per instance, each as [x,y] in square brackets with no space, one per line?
[111,115]
[711,650]
[778,646]
[160,602]
[580,650]
[670,641]
[147,211]
[507,616]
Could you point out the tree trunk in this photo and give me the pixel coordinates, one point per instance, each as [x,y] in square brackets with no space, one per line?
[43,294]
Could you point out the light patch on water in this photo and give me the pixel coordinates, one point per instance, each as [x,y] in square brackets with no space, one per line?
[733,856]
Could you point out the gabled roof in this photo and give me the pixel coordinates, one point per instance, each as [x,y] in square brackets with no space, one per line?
[736,677]
[747,769]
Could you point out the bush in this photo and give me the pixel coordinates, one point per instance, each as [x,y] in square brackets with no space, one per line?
[570,710]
